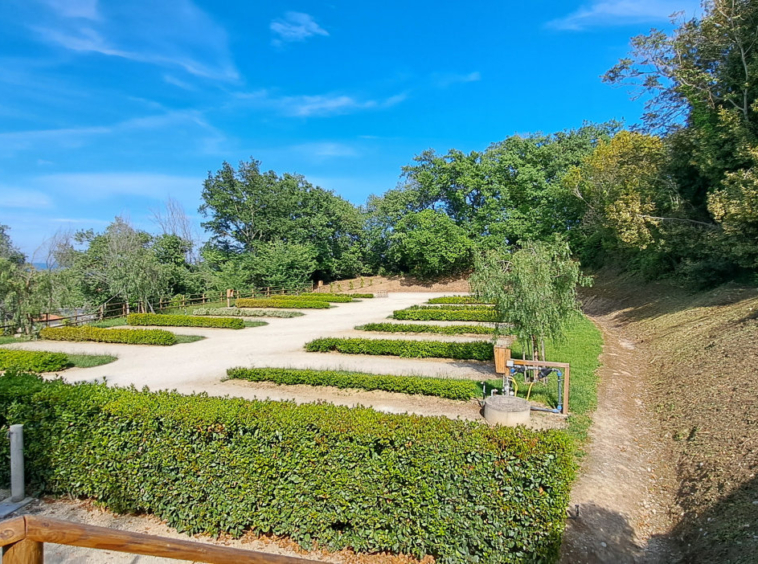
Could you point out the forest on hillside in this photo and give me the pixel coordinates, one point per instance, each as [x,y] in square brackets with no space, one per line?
[674,196]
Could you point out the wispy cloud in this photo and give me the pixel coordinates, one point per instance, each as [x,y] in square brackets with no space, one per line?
[23,199]
[325,150]
[295,27]
[443,80]
[320,105]
[604,13]
[170,33]
[100,186]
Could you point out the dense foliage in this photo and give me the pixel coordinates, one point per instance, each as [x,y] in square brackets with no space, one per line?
[423,328]
[33,361]
[291,303]
[127,336]
[234,311]
[440,314]
[449,388]
[341,477]
[480,350]
[147,319]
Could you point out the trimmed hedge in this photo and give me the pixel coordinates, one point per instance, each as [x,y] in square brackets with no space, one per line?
[128,336]
[480,350]
[440,314]
[184,321]
[457,300]
[33,361]
[449,388]
[295,304]
[455,307]
[332,298]
[344,478]
[361,296]
[233,311]
[421,328]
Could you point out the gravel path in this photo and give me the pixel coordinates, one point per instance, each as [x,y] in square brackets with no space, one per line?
[201,366]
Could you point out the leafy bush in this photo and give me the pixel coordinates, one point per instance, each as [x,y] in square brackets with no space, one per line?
[342,477]
[441,314]
[33,361]
[333,298]
[362,296]
[298,304]
[457,300]
[421,328]
[184,321]
[456,307]
[449,388]
[128,336]
[480,350]
[236,312]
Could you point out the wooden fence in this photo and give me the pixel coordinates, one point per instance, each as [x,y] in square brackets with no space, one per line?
[23,540]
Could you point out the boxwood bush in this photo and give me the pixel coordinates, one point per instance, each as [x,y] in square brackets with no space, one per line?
[333,298]
[237,312]
[455,307]
[362,296]
[456,300]
[184,321]
[341,477]
[295,304]
[421,328]
[128,336]
[480,350]
[33,361]
[440,314]
[449,388]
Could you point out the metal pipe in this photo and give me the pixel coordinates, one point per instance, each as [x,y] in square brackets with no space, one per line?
[17,463]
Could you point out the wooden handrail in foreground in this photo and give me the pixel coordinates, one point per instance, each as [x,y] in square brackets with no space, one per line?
[23,539]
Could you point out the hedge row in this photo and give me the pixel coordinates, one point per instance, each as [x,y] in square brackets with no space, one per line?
[244,312]
[268,302]
[129,336]
[449,388]
[440,314]
[456,300]
[183,321]
[333,298]
[33,361]
[359,296]
[341,477]
[421,328]
[455,307]
[480,350]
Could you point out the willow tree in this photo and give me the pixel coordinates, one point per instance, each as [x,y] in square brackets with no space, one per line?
[533,289]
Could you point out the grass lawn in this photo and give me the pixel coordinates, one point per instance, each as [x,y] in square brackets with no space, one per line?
[181,339]
[90,360]
[112,322]
[249,323]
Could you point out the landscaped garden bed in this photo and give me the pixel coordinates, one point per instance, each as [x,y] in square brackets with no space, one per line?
[479,350]
[157,319]
[238,312]
[442,313]
[281,303]
[422,328]
[43,361]
[128,336]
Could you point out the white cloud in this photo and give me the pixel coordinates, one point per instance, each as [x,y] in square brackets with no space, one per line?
[445,80]
[102,185]
[325,150]
[603,13]
[295,27]
[319,105]
[169,33]
[17,198]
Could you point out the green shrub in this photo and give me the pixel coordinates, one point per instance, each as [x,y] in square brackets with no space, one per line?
[456,300]
[449,388]
[33,361]
[480,350]
[362,296]
[440,314]
[421,328]
[128,336]
[332,298]
[455,307]
[459,491]
[184,321]
[236,312]
[295,304]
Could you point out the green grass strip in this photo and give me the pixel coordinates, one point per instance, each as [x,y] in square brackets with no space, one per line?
[418,385]
[422,328]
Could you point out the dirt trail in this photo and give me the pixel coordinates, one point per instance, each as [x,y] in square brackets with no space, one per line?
[623,491]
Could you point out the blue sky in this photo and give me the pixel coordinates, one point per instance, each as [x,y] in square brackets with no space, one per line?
[107,108]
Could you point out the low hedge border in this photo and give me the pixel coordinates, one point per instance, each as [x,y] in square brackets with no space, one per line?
[457,300]
[236,312]
[340,477]
[332,298]
[33,361]
[480,350]
[146,319]
[295,304]
[455,307]
[127,336]
[421,328]
[449,388]
[440,314]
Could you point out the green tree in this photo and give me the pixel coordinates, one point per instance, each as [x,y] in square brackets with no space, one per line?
[283,265]
[533,289]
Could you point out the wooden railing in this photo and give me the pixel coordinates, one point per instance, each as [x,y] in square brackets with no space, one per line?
[23,539]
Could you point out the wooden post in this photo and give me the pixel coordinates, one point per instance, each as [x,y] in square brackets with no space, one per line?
[566,378]
[24,552]
[102,312]
[502,356]
[268,291]
[229,297]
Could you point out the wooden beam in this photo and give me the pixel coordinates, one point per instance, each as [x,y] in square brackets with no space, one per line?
[25,551]
[12,530]
[41,529]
